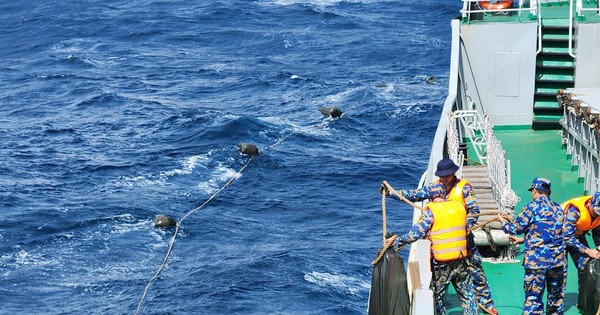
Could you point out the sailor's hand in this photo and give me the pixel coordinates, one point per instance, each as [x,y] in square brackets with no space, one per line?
[517,240]
[593,253]
[501,218]
[390,240]
[384,190]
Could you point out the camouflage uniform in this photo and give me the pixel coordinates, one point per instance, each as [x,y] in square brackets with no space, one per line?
[480,283]
[576,244]
[444,273]
[544,257]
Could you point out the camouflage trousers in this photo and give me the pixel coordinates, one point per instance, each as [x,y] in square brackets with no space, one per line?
[483,295]
[536,281]
[457,273]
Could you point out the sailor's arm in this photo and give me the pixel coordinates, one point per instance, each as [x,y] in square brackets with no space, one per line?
[471,204]
[414,195]
[419,230]
[571,239]
[569,229]
[521,224]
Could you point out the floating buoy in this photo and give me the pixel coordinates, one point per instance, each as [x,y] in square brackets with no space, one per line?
[334,112]
[431,80]
[163,221]
[248,148]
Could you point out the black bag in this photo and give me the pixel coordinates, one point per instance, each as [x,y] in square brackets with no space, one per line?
[589,288]
[389,287]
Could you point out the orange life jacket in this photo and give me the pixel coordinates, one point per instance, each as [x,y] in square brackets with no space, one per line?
[448,234]
[585,222]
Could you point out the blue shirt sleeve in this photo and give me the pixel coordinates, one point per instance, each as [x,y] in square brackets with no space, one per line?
[569,229]
[471,205]
[420,194]
[419,230]
[521,224]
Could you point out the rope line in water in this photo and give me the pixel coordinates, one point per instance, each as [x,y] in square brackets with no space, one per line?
[177,226]
[164,263]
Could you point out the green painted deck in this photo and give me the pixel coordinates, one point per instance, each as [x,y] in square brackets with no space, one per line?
[532,154]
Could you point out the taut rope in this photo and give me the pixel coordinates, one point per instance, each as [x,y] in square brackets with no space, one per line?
[324,123]
[393,191]
[177,226]
[474,227]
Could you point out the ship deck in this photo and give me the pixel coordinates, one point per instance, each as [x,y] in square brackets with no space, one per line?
[550,10]
[532,154]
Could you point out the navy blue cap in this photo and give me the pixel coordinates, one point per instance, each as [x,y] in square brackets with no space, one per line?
[446,167]
[540,183]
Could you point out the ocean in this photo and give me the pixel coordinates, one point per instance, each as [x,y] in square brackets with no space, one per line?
[115,111]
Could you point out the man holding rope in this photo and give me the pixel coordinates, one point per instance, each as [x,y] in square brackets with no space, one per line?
[453,188]
[582,214]
[445,224]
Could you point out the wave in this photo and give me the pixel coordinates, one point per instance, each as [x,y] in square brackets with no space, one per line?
[341,283]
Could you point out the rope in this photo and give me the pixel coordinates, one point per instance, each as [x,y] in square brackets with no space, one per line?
[400,195]
[177,227]
[475,215]
[387,243]
[323,124]
[474,227]
[384,216]
[473,162]
[486,222]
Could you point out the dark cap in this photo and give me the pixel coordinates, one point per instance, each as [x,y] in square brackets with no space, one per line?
[446,167]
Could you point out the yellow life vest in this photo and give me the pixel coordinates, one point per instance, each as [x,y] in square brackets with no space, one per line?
[448,234]
[585,222]
[456,193]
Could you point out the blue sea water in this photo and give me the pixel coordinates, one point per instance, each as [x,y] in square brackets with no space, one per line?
[112,112]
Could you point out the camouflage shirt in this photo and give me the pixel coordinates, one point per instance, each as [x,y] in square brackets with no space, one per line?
[541,221]
[570,228]
[437,188]
[419,230]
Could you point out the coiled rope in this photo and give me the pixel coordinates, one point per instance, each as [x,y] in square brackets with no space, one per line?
[177,226]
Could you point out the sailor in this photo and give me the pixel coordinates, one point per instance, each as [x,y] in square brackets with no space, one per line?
[544,257]
[445,224]
[582,214]
[454,188]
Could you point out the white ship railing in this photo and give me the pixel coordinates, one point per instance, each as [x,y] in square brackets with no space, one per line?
[419,278]
[581,137]
[472,128]
[580,9]
[470,7]
[571,27]
[488,148]
[499,170]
